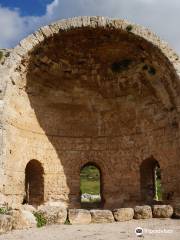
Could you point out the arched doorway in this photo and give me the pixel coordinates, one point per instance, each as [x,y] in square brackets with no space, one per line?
[150,177]
[91,186]
[34,183]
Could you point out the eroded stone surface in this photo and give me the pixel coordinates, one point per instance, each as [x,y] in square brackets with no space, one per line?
[53,214]
[123,214]
[79,216]
[6,223]
[101,216]
[142,212]
[162,211]
[22,219]
[29,208]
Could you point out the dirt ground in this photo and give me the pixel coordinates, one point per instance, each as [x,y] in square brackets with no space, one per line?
[166,229]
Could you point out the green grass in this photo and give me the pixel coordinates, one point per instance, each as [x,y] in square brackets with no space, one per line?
[159,189]
[91,187]
[90,180]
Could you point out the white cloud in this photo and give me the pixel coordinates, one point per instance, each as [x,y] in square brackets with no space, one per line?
[51,7]
[162,16]
[11,26]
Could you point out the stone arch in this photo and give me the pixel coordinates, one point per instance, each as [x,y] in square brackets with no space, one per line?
[148,173]
[34,183]
[90,86]
[100,203]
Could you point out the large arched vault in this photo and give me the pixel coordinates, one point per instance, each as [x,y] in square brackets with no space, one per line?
[90,90]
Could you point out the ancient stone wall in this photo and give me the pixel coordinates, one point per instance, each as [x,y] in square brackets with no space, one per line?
[90,90]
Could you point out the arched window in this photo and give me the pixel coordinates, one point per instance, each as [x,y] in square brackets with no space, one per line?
[90,186]
[34,183]
[151,188]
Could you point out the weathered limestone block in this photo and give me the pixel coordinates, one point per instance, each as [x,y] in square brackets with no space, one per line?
[79,216]
[56,204]
[23,219]
[123,214]
[142,212]
[28,207]
[16,206]
[162,211]
[2,200]
[53,214]
[6,222]
[102,216]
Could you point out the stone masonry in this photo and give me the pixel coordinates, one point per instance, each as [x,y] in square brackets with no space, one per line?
[88,90]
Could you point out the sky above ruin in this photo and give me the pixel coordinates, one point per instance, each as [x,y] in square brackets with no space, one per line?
[18,18]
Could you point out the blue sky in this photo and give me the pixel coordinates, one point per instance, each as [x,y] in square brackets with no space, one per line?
[27,7]
[18,18]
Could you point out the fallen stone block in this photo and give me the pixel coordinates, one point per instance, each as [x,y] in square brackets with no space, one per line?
[162,211]
[53,214]
[142,212]
[79,216]
[101,216]
[123,214]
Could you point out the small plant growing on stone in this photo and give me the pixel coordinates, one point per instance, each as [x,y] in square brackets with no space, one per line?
[41,221]
[3,210]
[129,28]
[67,222]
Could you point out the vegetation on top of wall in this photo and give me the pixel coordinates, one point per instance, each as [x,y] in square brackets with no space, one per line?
[4,53]
[1,55]
[129,28]
[121,66]
[41,221]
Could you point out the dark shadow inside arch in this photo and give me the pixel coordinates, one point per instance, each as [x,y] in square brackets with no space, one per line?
[91,187]
[34,183]
[150,181]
